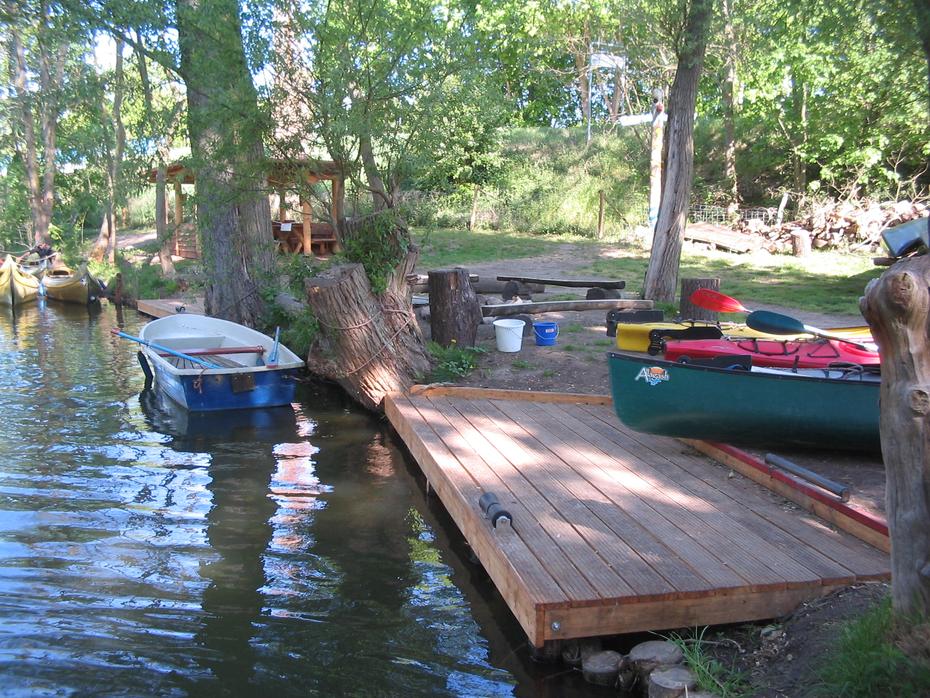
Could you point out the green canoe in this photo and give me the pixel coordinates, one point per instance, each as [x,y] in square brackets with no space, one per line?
[832,409]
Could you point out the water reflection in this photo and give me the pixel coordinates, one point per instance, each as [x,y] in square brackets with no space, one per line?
[145,550]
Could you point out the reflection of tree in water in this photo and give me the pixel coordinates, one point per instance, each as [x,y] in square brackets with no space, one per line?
[242,447]
[239,530]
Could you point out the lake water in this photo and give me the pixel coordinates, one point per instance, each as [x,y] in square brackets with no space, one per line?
[291,551]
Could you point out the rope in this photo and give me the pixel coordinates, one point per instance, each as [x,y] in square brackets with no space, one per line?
[382,348]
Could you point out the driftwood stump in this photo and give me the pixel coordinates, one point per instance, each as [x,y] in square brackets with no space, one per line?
[370,344]
[687,309]
[453,307]
[897,308]
[649,655]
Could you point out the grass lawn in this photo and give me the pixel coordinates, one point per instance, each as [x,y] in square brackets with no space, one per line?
[827,282]
[444,247]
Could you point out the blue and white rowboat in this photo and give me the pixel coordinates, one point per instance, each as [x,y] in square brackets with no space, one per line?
[206,364]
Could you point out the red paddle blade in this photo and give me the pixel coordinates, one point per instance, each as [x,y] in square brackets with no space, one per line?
[718,302]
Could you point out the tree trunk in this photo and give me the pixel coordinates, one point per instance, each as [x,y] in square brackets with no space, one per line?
[922,13]
[453,308]
[897,307]
[729,111]
[39,186]
[370,344]
[473,217]
[105,245]
[662,275]
[225,129]
[687,309]
[163,232]
[379,197]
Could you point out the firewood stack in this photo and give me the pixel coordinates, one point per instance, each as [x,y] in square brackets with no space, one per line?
[837,224]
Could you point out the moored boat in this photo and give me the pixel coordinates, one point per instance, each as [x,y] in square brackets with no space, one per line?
[205,363]
[816,408]
[647,336]
[811,353]
[17,287]
[6,281]
[65,284]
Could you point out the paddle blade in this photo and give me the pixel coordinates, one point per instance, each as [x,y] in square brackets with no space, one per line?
[775,323]
[718,302]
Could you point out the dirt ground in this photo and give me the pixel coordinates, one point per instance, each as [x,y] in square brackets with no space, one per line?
[779,658]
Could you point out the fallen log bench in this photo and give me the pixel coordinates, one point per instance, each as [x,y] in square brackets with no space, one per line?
[597,288]
[506,309]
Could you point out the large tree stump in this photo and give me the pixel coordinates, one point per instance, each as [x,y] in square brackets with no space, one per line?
[370,344]
[897,308]
[453,308]
[687,309]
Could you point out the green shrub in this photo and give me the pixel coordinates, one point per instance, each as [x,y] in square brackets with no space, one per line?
[452,362]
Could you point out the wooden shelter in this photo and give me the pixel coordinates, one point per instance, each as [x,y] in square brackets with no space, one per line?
[304,236]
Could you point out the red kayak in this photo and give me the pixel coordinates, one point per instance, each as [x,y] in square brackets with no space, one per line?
[819,353]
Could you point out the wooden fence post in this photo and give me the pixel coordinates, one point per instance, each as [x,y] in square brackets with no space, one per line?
[688,310]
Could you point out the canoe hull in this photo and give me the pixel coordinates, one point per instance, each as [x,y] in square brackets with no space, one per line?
[242,380]
[775,408]
[74,287]
[17,286]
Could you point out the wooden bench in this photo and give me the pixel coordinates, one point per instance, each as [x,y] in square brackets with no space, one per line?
[561,306]
[289,236]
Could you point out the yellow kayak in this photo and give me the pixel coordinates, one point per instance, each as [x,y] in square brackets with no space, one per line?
[64,284]
[636,336]
[24,286]
[6,281]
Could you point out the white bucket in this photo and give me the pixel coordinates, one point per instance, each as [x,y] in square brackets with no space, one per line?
[509,334]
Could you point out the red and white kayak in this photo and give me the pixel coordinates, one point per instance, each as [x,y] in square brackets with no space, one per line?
[815,353]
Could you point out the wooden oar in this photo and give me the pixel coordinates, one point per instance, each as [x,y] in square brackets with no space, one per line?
[776,323]
[709,299]
[159,347]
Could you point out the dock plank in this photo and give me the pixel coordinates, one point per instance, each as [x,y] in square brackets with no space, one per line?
[799,531]
[623,561]
[614,531]
[551,538]
[766,562]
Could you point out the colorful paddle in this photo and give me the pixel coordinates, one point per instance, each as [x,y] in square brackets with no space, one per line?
[776,323]
[718,302]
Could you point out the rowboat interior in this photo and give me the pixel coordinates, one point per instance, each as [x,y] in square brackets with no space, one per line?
[216,349]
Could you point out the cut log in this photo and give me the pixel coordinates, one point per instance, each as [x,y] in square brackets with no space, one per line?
[646,656]
[453,306]
[602,668]
[800,242]
[687,309]
[569,283]
[598,293]
[419,283]
[495,287]
[671,682]
[897,307]
[371,345]
[561,306]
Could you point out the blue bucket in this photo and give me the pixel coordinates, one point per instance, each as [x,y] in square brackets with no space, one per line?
[545,332]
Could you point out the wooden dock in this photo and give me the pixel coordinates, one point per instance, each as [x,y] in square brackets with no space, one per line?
[160,307]
[615,531]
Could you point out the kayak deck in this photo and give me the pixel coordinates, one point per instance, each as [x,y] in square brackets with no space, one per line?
[614,531]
